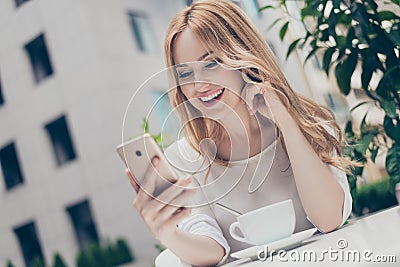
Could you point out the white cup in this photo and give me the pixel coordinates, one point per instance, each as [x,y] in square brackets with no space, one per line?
[266,224]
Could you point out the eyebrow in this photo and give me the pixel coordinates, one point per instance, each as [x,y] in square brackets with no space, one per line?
[203,56]
[198,59]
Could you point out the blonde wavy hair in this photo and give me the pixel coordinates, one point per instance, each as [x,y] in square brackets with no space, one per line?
[224,29]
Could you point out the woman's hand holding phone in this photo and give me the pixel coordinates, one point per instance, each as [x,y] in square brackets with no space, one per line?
[161,217]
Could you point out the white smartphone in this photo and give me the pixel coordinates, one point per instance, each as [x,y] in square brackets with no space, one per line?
[137,154]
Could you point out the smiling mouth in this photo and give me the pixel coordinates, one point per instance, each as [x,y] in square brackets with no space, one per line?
[211,97]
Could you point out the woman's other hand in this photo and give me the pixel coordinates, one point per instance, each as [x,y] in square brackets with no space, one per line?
[264,100]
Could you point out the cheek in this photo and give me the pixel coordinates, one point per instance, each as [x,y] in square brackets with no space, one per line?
[187,90]
[233,80]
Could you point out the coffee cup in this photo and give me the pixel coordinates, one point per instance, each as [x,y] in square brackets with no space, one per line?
[266,224]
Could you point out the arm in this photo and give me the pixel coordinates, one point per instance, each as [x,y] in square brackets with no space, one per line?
[195,249]
[162,220]
[320,193]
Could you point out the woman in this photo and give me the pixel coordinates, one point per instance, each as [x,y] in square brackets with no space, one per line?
[261,140]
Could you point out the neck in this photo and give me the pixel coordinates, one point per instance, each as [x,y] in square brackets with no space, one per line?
[247,134]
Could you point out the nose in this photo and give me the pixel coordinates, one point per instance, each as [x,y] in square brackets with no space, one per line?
[202,86]
[201,82]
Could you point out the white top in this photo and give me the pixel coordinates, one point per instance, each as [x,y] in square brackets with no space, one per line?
[261,180]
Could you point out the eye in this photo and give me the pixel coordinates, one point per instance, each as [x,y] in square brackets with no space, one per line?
[184,74]
[211,64]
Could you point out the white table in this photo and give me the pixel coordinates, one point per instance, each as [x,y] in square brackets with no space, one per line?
[375,235]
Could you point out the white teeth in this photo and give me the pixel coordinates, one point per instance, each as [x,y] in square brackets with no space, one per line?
[209,97]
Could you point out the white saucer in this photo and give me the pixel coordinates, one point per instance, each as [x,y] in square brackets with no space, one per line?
[276,245]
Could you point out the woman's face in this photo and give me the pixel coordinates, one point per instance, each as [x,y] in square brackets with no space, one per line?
[210,87]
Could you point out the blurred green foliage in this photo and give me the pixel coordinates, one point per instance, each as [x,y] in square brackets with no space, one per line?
[350,35]
[104,255]
[9,263]
[373,196]
[58,261]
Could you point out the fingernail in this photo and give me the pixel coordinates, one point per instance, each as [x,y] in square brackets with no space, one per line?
[188,179]
[155,160]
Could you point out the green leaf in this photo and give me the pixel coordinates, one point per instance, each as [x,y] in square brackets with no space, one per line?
[273,23]
[372,4]
[283,30]
[374,154]
[344,71]
[292,46]
[265,7]
[145,125]
[364,142]
[394,35]
[390,108]
[327,59]
[312,53]
[332,21]
[341,41]
[387,15]
[336,4]
[393,164]
[391,130]
[349,129]
[158,139]
[360,104]
[389,82]
[343,18]
[389,127]
[369,64]
[308,35]
[159,247]
[363,123]
[306,11]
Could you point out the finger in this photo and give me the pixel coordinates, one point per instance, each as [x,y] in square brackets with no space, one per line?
[132,180]
[169,194]
[178,204]
[252,90]
[147,187]
[245,95]
[155,210]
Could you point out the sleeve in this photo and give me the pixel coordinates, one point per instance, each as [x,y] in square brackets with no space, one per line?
[201,221]
[203,224]
[348,201]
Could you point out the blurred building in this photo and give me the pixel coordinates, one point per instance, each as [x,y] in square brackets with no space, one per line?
[67,72]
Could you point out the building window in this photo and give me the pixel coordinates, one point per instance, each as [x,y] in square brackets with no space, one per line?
[61,139]
[187,2]
[85,228]
[251,7]
[29,243]
[1,95]
[143,33]
[39,58]
[10,165]
[167,118]
[20,2]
